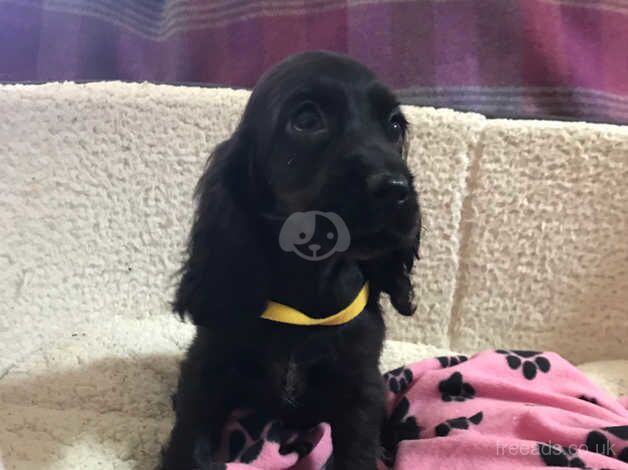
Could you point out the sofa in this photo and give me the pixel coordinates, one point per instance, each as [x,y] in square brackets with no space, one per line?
[525,246]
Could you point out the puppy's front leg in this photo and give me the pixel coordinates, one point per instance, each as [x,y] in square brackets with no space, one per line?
[355,427]
[195,436]
[201,410]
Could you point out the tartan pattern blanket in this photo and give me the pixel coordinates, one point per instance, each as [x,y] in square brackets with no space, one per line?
[561,59]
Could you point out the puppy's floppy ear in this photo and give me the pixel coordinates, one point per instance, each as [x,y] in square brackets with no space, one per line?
[391,274]
[224,276]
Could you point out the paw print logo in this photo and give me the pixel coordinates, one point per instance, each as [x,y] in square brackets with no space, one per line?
[398,427]
[450,361]
[301,448]
[599,443]
[253,424]
[455,388]
[558,456]
[246,443]
[532,362]
[240,451]
[445,428]
[398,380]
[289,441]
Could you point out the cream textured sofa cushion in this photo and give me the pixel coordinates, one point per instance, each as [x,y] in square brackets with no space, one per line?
[442,144]
[545,256]
[99,397]
[98,182]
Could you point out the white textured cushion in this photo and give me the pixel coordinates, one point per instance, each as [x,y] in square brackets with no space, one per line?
[97,189]
[99,396]
[97,183]
[545,262]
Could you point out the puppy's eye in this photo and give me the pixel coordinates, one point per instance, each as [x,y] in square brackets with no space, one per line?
[308,119]
[396,127]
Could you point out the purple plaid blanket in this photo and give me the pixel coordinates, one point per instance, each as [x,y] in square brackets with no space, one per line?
[517,58]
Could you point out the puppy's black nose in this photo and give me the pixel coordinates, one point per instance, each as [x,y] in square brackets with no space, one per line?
[389,189]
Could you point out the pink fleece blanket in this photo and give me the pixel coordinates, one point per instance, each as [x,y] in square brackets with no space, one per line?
[496,410]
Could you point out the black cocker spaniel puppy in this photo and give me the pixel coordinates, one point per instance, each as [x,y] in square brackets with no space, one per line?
[308,204]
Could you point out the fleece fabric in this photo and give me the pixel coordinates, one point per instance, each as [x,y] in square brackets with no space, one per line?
[499,409]
[544,260]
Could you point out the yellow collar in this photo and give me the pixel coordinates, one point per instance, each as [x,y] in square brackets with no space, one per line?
[285,314]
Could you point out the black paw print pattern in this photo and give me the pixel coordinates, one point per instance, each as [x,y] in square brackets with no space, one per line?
[239,451]
[532,362]
[589,399]
[450,361]
[455,388]
[445,428]
[398,380]
[289,441]
[598,442]
[558,456]
[398,427]
[253,425]
[258,430]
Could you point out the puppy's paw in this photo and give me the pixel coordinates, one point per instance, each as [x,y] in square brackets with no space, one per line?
[203,456]
[398,380]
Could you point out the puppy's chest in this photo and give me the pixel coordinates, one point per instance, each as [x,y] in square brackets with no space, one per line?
[295,381]
[292,382]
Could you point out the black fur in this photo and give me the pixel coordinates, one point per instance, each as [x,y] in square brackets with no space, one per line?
[319,133]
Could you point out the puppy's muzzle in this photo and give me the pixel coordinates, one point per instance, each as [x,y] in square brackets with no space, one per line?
[388,190]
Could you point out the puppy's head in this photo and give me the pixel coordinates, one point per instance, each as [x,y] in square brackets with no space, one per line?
[321,143]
